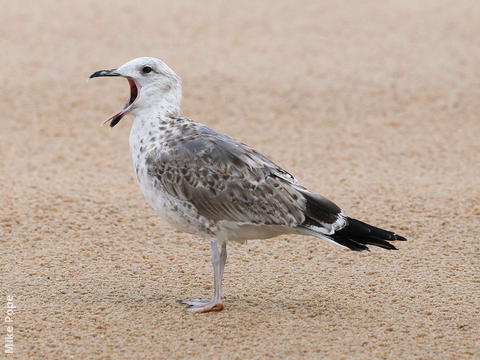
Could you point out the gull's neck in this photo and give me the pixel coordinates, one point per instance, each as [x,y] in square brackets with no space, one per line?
[149,125]
[156,109]
[154,113]
[159,102]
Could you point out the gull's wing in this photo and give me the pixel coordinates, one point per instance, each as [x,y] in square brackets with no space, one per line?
[227,180]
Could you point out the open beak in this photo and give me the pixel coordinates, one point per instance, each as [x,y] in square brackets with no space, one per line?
[134,87]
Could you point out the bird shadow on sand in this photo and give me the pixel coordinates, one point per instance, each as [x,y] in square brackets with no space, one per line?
[269,307]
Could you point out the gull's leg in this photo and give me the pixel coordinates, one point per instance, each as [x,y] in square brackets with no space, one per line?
[215,304]
[223,259]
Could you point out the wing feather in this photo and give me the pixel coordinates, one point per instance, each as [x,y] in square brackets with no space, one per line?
[225,179]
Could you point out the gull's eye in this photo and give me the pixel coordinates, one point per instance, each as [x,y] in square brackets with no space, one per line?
[146,69]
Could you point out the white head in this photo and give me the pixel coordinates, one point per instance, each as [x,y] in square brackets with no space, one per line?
[153,86]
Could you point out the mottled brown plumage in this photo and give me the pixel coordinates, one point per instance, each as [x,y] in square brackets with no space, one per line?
[223,178]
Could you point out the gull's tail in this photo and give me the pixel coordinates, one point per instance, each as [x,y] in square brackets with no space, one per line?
[325,220]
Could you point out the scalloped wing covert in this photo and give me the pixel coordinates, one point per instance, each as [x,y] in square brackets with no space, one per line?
[225,179]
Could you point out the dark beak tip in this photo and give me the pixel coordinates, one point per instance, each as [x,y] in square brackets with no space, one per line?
[96,74]
[112,72]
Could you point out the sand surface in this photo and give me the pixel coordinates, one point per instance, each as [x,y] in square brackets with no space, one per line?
[373,104]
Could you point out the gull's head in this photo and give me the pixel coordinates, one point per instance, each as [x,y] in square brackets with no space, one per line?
[153,85]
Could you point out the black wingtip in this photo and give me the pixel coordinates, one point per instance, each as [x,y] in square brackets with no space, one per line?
[357,234]
[400,238]
[390,247]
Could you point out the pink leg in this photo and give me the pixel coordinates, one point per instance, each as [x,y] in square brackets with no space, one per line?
[215,304]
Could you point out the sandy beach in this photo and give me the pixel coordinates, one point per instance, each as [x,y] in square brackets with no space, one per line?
[374,105]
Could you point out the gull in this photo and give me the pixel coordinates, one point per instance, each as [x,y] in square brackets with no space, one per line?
[209,184]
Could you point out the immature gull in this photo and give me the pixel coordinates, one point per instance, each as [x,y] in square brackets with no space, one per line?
[209,184]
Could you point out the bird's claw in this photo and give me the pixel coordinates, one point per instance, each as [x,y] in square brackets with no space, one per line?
[202,305]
